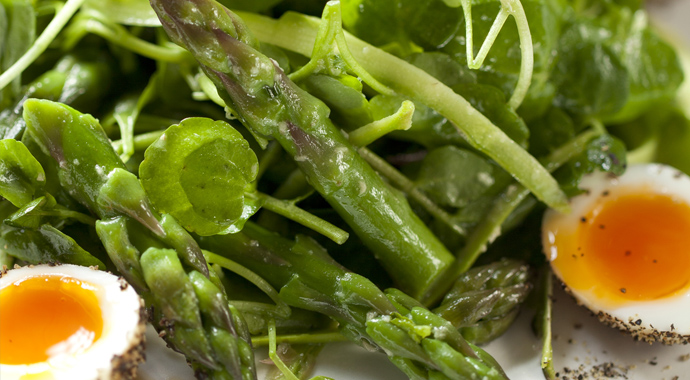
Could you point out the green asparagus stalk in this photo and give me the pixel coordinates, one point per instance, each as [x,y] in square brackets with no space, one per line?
[484,300]
[273,107]
[415,339]
[188,302]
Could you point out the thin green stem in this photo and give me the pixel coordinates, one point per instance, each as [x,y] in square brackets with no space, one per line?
[140,142]
[42,42]
[274,355]
[65,213]
[305,218]
[309,338]
[496,27]
[280,306]
[208,89]
[410,188]
[543,322]
[527,52]
[334,11]
[119,35]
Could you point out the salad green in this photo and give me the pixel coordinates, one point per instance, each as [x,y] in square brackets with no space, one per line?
[302,172]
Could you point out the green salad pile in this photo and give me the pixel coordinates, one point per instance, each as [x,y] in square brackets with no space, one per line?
[303,172]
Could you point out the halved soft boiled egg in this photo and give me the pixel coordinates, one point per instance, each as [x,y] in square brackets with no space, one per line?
[68,322]
[624,250]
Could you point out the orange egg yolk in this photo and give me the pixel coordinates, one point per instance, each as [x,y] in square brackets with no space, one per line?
[633,247]
[43,316]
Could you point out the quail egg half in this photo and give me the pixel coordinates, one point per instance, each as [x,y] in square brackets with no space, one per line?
[624,250]
[68,322]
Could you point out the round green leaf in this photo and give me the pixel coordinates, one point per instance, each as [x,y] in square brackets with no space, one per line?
[200,172]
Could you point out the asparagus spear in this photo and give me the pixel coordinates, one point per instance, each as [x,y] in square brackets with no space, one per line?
[188,302]
[422,344]
[484,300]
[273,107]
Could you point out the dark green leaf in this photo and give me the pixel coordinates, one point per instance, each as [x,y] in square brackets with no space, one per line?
[405,23]
[21,176]
[599,88]
[454,177]
[45,245]
[17,33]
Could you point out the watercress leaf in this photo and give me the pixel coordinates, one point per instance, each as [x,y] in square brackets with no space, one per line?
[19,33]
[599,88]
[29,215]
[550,131]
[405,23]
[45,245]
[454,177]
[127,12]
[200,171]
[443,67]
[21,176]
[674,139]
[653,67]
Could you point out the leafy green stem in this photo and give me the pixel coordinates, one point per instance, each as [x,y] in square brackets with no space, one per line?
[305,218]
[140,142]
[41,44]
[330,31]
[94,22]
[542,321]
[527,52]
[477,62]
[401,120]
[280,307]
[207,90]
[490,227]
[273,354]
[66,213]
[297,33]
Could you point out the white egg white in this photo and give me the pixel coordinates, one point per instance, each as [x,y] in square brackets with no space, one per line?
[118,351]
[662,320]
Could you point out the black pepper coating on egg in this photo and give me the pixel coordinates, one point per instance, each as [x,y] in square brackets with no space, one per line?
[124,367]
[635,328]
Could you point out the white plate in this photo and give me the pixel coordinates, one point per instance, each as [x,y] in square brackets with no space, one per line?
[581,343]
